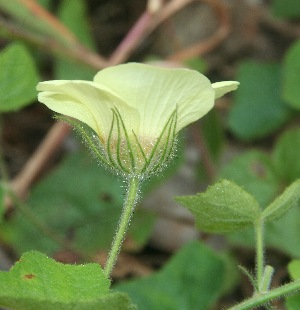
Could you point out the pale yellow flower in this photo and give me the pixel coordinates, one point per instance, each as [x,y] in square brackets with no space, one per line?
[136,110]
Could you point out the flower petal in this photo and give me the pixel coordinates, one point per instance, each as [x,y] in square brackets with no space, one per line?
[156,92]
[222,88]
[86,102]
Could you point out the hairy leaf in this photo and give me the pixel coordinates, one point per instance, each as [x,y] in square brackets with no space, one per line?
[283,203]
[223,207]
[38,282]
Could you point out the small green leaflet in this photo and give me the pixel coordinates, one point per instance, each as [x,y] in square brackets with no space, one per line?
[223,207]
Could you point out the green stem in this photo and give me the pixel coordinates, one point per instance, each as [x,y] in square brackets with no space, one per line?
[266,279]
[259,226]
[260,299]
[128,208]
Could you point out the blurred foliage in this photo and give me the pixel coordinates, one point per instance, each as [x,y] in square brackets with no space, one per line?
[213,133]
[70,13]
[2,196]
[253,170]
[286,156]
[293,302]
[197,64]
[18,78]
[291,91]
[194,276]
[258,108]
[286,8]
[264,176]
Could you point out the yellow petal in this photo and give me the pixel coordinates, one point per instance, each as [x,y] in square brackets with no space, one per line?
[156,92]
[222,88]
[86,102]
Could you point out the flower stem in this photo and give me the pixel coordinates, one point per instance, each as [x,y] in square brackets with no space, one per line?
[128,208]
[262,298]
[259,226]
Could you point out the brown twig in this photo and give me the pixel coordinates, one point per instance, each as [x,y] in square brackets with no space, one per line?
[222,13]
[42,14]
[149,20]
[132,39]
[75,49]
[79,53]
[284,27]
[168,10]
[35,164]
[70,48]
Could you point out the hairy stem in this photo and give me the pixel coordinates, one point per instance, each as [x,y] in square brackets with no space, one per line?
[262,298]
[128,208]
[259,226]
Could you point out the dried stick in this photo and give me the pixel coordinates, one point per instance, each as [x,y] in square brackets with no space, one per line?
[41,13]
[284,27]
[150,20]
[76,50]
[153,16]
[132,39]
[79,53]
[70,48]
[36,163]
[168,10]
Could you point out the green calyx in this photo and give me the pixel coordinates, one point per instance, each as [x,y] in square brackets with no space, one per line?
[125,152]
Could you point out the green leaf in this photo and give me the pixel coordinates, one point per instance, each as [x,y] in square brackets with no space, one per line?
[258,109]
[286,8]
[283,203]
[197,64]
[80,200]
[286,156]
[283,234]
[73,14]
[18,78]
[192,279]
[259,176]
[291,67]
[38,282]
[254,171]
[294,269]
[213,133]
[223,207]
[293,302]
